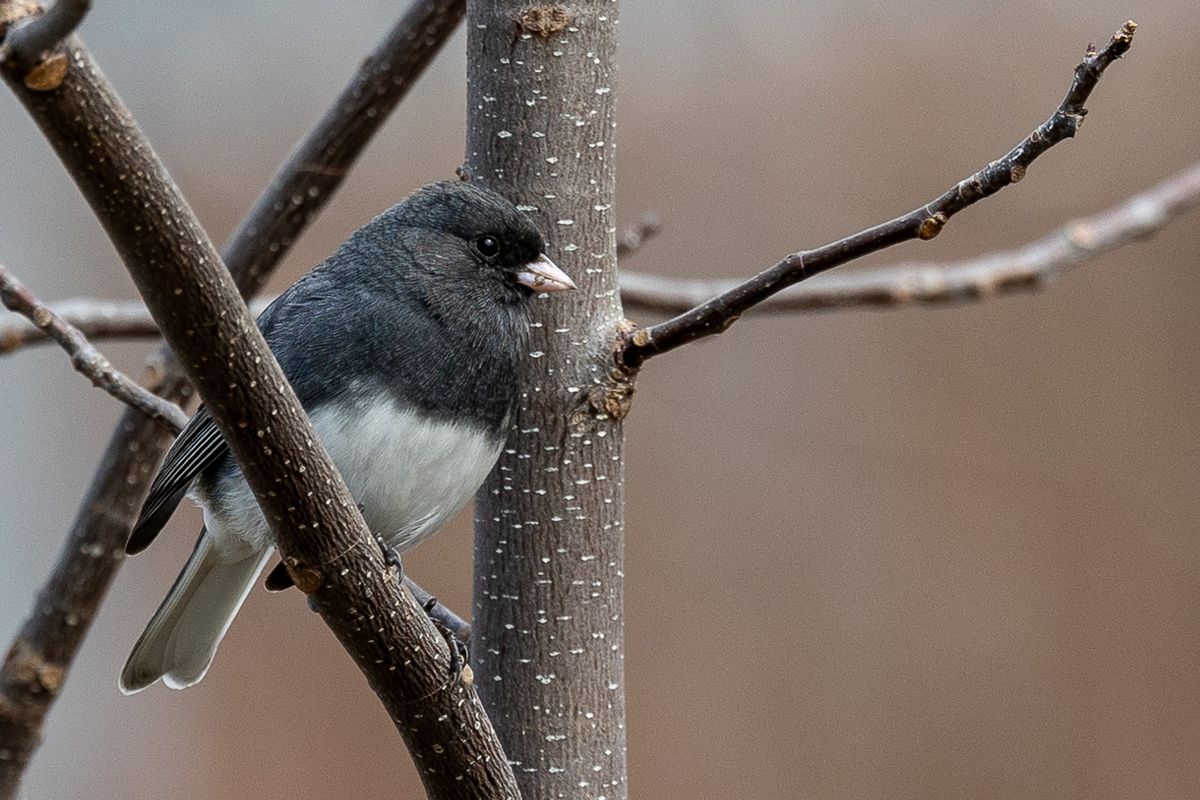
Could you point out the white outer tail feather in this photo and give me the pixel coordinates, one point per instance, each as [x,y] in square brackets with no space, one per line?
[179,643]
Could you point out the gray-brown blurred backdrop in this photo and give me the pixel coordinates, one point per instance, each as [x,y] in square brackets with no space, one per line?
[911,554]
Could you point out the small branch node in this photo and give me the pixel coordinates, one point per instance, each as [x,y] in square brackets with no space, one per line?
[631,239]
[931,226]
[307,579]
[544,20]
[26,667]
[1081,236]
[49,74]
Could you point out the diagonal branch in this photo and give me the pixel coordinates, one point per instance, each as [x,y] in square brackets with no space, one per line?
[322,160]
[718,313]
[36,665]
[85,358]
[197,306]
[1028,268]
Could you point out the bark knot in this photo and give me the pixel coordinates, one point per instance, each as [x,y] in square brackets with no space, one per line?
[26,669]
[49,74]
[614,395]
[307,579]
[544,20]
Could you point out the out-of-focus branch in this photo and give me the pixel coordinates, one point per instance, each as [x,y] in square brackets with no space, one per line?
[631,239]
[29,41]
[95,318]
[39,657]
[85,358]
[718,313]
[321,161]
[197,306]
[125,319]
[1027,268]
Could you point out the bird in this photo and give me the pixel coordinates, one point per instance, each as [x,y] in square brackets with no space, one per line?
[404,348]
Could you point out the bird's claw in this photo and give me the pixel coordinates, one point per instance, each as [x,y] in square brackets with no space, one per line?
[391,557]
[459,652]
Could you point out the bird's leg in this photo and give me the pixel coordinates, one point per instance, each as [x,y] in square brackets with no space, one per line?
[458,648]
[391,556]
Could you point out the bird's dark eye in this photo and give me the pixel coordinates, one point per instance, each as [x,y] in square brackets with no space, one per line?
[487,246]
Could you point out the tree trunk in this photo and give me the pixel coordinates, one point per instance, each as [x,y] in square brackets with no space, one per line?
[548,645]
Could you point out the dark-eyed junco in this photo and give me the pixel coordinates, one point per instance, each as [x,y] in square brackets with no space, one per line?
[404,348]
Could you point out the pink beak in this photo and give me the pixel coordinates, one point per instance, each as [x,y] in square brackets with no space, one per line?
[543,275]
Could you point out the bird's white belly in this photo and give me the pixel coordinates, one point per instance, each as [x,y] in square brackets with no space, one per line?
[409,473]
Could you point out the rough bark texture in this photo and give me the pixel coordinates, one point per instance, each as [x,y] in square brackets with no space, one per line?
[317,526]
[547,627]
[69,112]
[116,176]
[197,306]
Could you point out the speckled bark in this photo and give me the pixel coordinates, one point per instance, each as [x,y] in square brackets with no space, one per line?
[195,302]
[547,627]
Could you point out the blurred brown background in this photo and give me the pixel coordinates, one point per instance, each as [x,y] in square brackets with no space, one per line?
[911,554]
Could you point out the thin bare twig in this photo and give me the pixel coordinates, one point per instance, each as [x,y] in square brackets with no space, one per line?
[29,41]
[95,318]
[718,313]
[1028,268]
[322,160]
[85,358]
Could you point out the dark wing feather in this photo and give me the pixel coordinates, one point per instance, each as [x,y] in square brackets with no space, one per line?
[199,444]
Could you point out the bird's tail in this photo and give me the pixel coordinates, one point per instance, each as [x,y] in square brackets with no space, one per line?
[181,639]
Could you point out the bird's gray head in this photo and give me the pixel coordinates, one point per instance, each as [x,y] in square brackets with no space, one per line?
[465,237]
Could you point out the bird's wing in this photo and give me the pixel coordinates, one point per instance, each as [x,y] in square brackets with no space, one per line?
[199,444]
